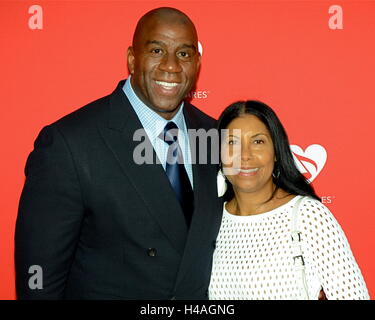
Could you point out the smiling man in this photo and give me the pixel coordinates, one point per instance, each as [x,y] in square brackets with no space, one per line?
[164,60]
[96,223]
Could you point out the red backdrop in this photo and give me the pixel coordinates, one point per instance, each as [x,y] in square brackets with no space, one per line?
[312,61]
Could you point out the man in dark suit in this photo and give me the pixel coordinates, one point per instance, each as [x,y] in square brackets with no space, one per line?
[98,224]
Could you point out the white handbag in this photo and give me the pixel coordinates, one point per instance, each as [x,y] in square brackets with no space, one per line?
[299,262]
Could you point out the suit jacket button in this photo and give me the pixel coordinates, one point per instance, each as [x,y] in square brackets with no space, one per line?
[173,298]
[151,252]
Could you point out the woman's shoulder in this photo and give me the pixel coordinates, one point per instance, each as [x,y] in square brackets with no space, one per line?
[316,216]
[313,206]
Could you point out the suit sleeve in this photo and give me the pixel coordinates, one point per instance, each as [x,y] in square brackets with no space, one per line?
[49,218]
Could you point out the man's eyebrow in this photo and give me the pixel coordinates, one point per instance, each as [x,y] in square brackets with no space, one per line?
[160,43]
[190,46]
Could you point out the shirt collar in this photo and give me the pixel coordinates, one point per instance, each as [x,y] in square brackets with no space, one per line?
[152,122]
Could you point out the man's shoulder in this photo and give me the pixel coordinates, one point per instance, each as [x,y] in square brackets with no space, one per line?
[87,115]
[91,114]
[205,121]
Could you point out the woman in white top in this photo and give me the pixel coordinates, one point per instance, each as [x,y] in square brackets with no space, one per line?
[254,256]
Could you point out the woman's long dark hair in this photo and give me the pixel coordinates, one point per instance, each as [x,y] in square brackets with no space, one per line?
[286,175]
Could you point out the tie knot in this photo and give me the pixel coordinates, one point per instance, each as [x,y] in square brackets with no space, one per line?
[170,133]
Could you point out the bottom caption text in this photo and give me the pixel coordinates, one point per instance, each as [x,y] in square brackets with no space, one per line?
[187,309]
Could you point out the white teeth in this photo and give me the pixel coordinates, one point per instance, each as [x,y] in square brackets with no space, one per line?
[249,170]
[166,84]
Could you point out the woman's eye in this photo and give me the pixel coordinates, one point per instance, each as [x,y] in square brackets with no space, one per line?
[259,141]
[232,142]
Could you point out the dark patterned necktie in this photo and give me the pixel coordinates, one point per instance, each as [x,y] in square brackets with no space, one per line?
[176,172]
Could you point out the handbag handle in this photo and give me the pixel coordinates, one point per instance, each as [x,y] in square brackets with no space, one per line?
[299,262]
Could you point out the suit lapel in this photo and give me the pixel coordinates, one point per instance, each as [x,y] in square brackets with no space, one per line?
[149,180]
[206,219]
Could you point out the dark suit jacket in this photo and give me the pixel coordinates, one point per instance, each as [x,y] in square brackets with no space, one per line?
[103,227]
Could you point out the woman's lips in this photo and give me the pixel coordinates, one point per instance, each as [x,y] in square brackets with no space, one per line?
[248,172]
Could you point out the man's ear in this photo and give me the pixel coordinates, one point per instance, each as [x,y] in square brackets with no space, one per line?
[199,61]
[131,60]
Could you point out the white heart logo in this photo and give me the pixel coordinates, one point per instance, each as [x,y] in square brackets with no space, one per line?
[311,161]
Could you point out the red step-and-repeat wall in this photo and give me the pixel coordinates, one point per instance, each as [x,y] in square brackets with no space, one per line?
[312,61]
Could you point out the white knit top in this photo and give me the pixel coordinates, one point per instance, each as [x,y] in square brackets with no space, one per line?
[253,258]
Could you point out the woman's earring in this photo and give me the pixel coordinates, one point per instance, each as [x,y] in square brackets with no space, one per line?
[221,184]
[276,173]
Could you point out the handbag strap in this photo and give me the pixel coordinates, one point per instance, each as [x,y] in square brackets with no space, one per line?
[298,261]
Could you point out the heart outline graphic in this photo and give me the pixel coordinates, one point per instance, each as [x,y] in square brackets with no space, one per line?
[310,161]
